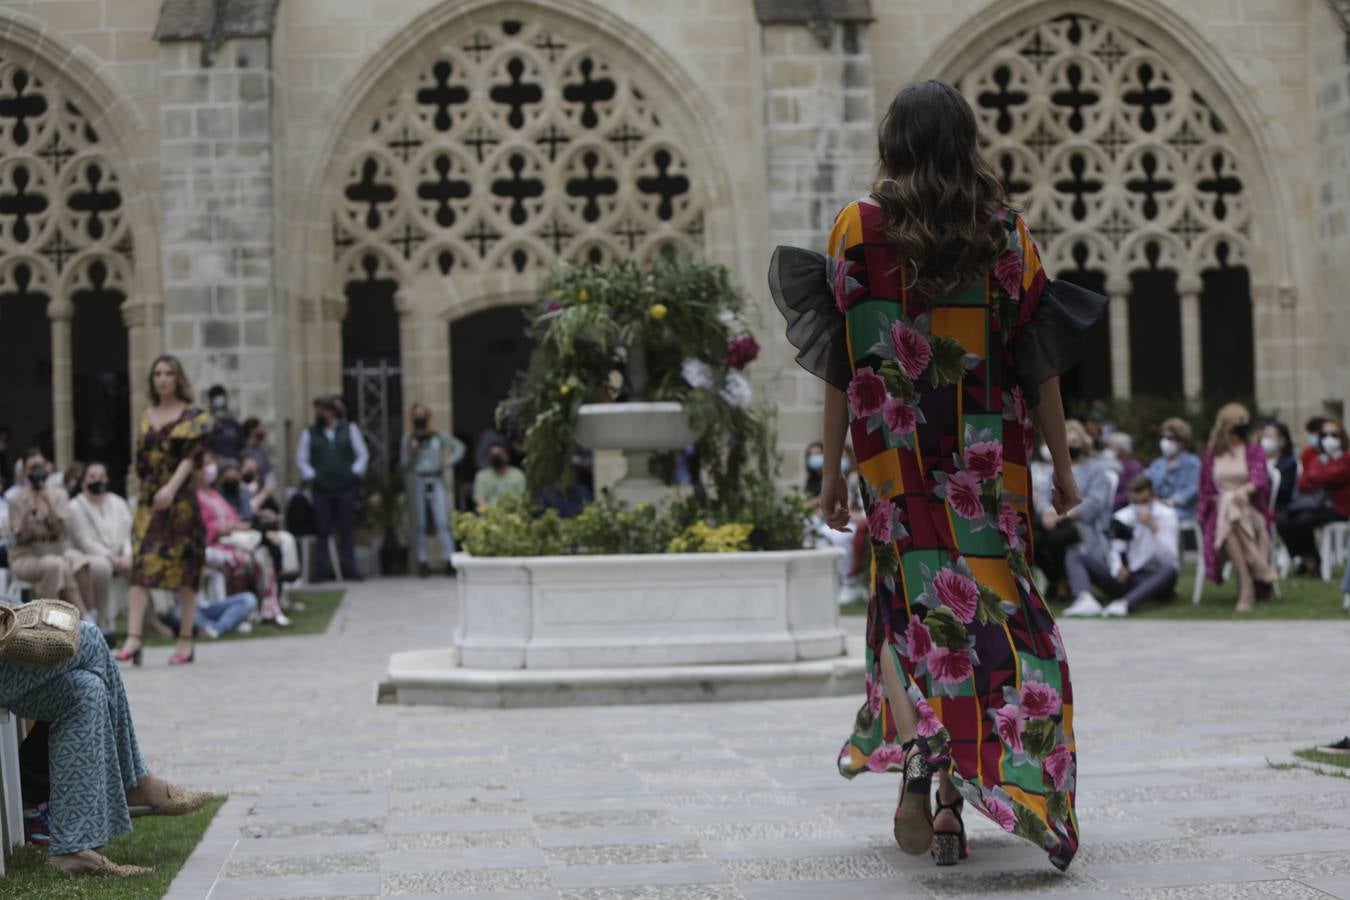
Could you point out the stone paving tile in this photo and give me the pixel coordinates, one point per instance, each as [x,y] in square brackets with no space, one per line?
[267,829]
[462,840]
[325,886]
[1145,852]
[272,866]
[1005,883]
[658,892]
[1305,866]
[463,858]
[718,799]
[1337,886]
[729,832]
[1211,826]
[622,854]
[465,881]
[638,875]
[1265,890]
[617,818]
[809,868]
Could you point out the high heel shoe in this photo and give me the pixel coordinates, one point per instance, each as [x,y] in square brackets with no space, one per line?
[131,656]
[183,659]
[950,846]
[913,823]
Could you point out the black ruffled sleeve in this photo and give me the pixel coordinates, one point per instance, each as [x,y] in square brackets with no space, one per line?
[1051,342]
[815,326]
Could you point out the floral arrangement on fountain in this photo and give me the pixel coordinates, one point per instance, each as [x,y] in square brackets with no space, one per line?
[623,333]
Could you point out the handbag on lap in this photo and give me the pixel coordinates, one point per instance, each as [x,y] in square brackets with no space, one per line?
[44,633]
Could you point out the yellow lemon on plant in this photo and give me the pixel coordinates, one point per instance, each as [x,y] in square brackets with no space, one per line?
[583,295]
[565,389]
[658,311]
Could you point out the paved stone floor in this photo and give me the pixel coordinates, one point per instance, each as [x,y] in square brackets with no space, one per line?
[333,796]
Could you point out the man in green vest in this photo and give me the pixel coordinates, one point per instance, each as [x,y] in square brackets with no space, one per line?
[332,457]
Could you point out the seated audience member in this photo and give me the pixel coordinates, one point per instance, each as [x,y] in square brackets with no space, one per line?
[100,528]
[1143,559]
[1323,496]
[1082,530]
[1234,506]
[499,480]
[280,544]
[96,768]
[74,479]
[1312,442]
[1176,474]
[39,515]
[1279,449]
[234,548]
[1118,456]
[222,616]
[4,528]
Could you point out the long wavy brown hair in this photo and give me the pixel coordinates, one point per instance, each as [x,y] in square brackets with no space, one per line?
[941,197]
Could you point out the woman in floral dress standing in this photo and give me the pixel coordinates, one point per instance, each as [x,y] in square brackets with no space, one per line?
[940,338]
[168,537]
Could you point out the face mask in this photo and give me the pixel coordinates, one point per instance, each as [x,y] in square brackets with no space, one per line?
[815,462]
[1142,507]
[230,487]
[248,478]
[37,477]
[1045,452]
[1168,447]
[1331,444]
[210,473]
[1241,430]
[218,404]
[1109,453]
[498,462]
[844,466]
[96,487]
[321,421]
[420,423]
[1270,445]
[1075,453]
[1314,440]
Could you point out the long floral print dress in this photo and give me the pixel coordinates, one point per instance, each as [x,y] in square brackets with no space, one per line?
[941,430]
[168,546]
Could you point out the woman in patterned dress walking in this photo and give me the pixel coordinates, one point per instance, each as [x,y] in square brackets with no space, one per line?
[168,537]
[940,338]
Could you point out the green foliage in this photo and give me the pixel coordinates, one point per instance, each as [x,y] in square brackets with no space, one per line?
[611,526]
[621,332]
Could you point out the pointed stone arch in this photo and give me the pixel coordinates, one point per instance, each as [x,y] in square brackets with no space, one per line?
[1122,128]
[66,139]
[487,140]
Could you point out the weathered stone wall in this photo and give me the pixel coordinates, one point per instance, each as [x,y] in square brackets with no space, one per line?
[820,140]
[1330,66]
[219,253]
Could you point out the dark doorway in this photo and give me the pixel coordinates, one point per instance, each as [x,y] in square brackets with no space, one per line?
[25,370]
[487,349]
[1091,379]
[1155,334]
[372,387]
[1227,336]
[101,386]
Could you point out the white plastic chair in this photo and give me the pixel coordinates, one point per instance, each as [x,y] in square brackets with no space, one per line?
[1113,479]
[11,799]
[1333,547]
[1194,527]
[1276,545]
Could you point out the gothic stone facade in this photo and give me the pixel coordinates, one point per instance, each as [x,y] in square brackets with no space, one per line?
[229,180]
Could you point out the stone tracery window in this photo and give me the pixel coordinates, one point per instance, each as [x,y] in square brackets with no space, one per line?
[1101,141]
[518,145]
[62,223]
[1119,166]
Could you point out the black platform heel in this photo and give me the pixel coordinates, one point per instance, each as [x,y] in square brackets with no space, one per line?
[913,823]
[949,847]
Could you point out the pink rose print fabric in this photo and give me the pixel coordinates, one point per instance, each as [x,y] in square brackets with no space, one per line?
[943,434]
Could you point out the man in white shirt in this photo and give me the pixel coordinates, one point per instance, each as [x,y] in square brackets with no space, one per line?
[332,457]
[1143,560]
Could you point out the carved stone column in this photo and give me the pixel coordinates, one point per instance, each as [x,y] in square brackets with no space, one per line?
[1118,289]
[1192,358]
[63,400]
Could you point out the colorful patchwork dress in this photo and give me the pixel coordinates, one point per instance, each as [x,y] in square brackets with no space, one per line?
[939,411]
